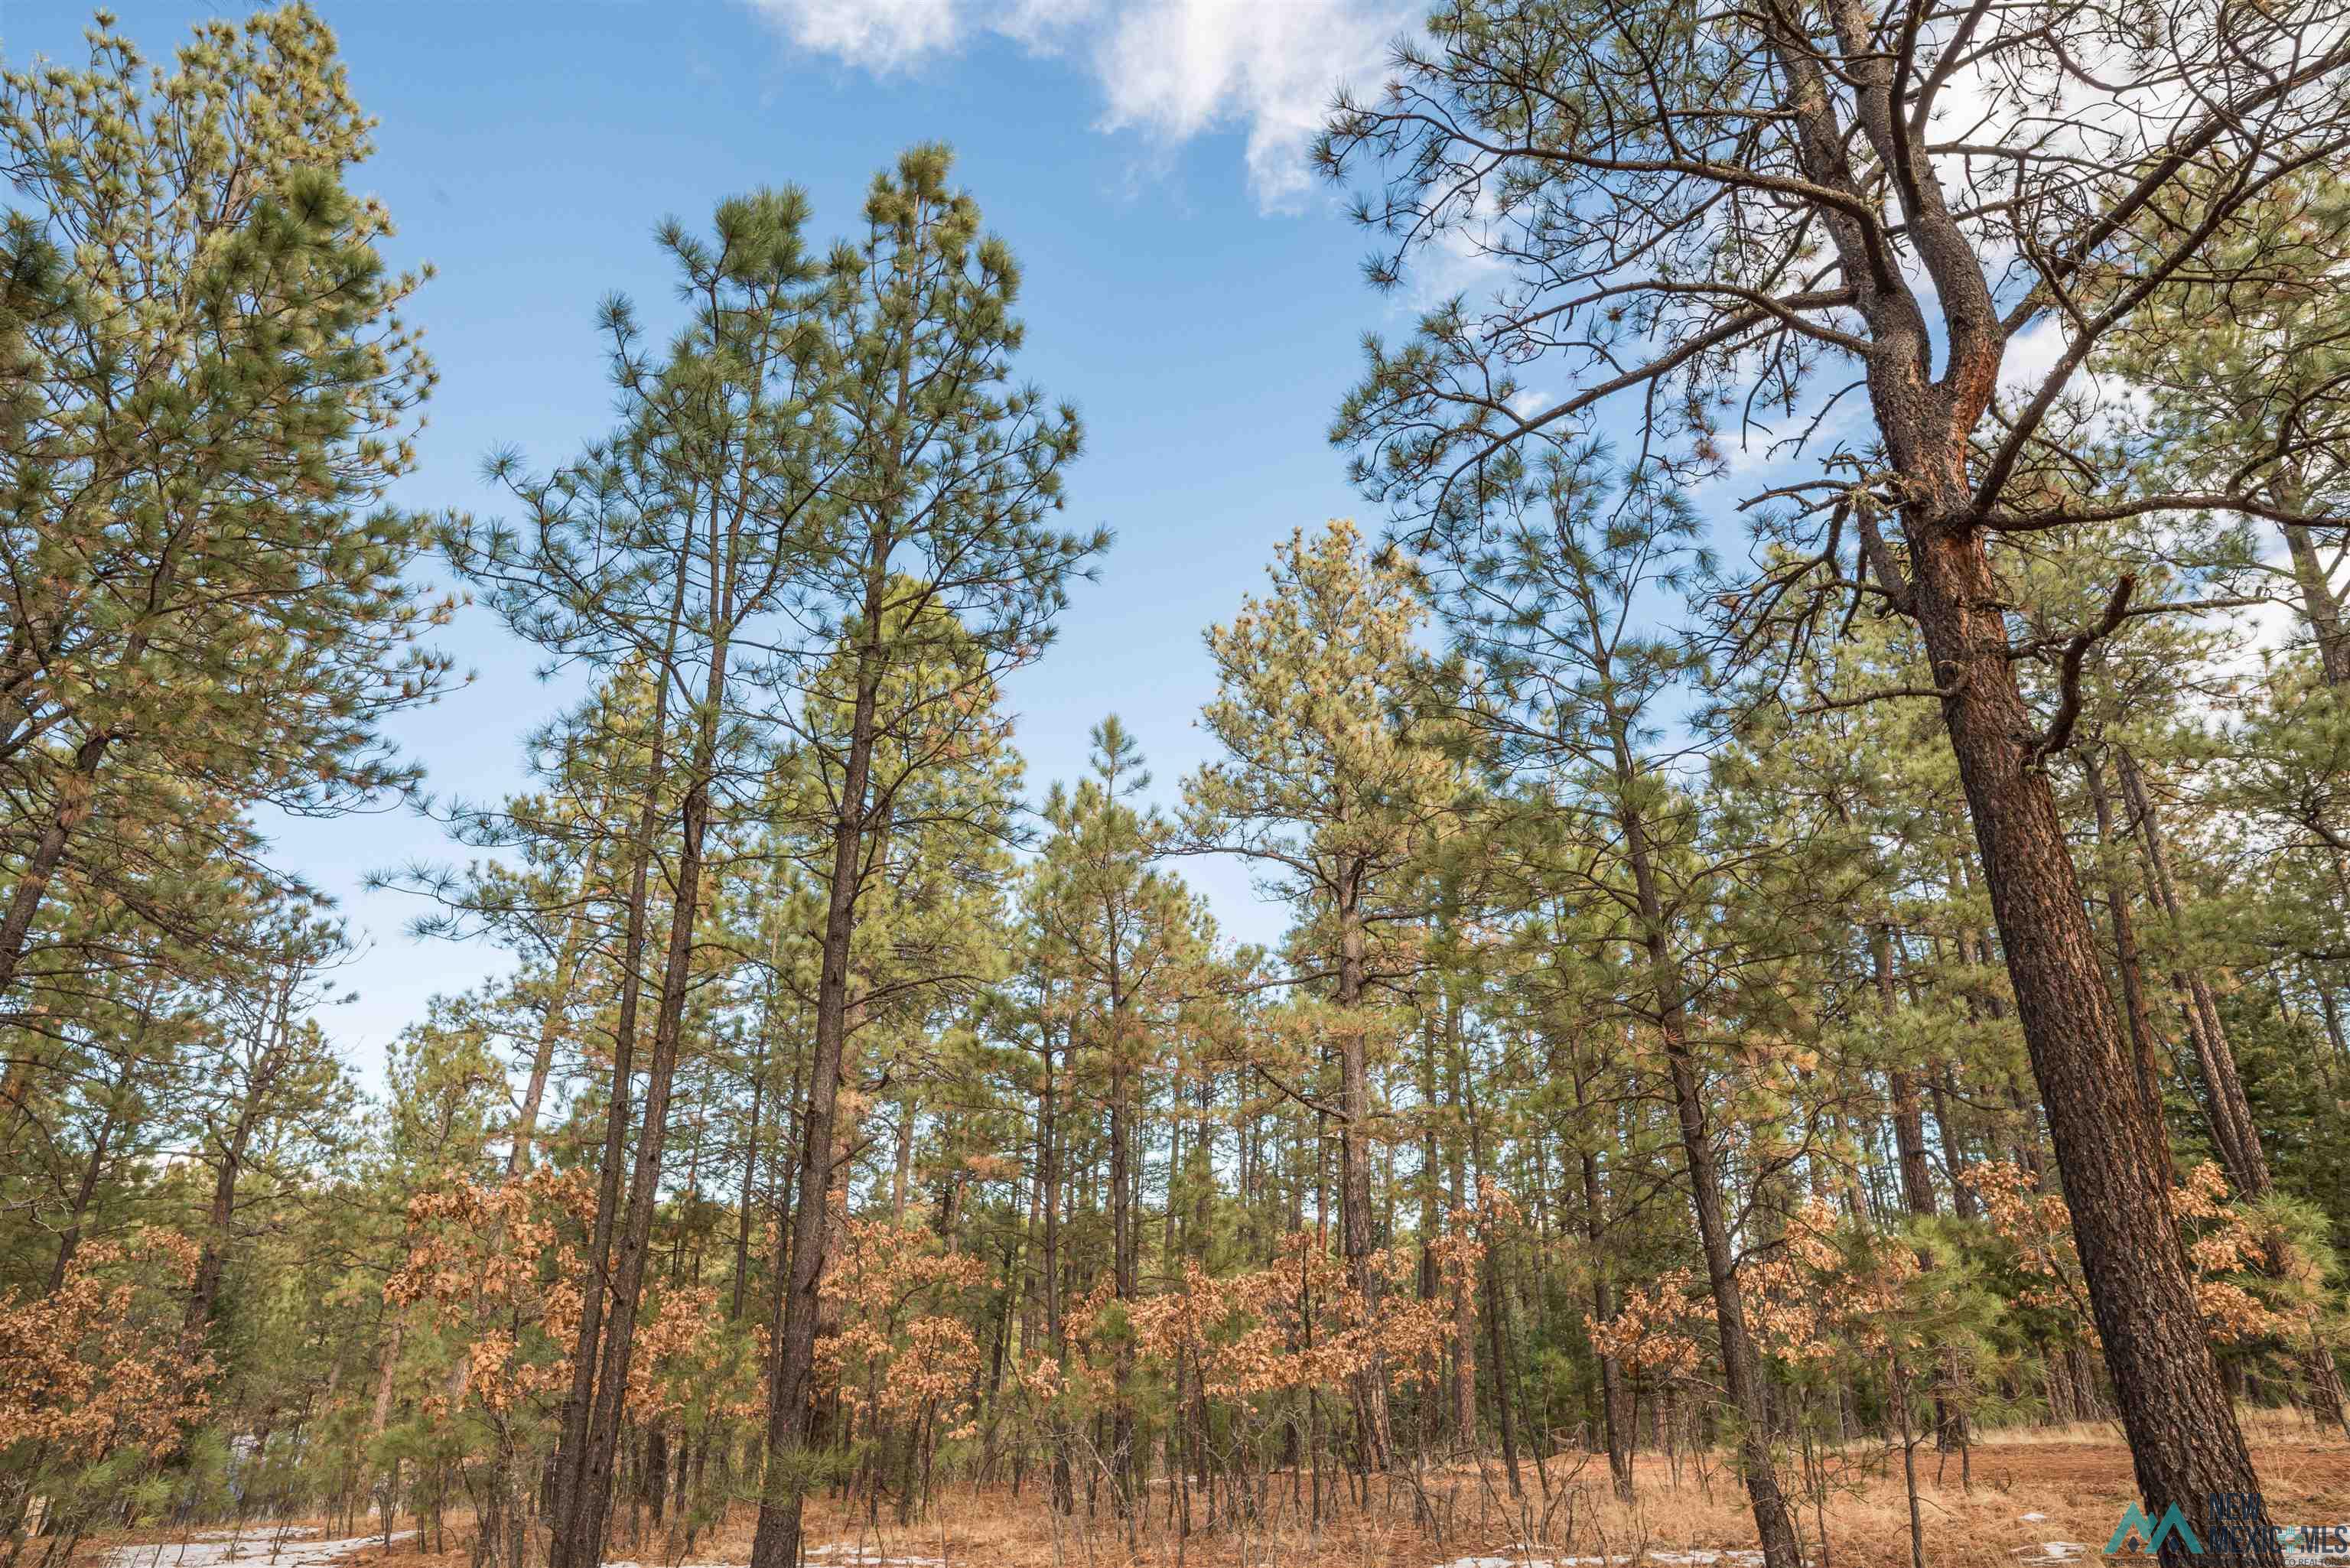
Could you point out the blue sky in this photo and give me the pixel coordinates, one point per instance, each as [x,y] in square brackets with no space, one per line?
[1187,286]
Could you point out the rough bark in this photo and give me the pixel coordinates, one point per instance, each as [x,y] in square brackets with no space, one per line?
[2181,1426]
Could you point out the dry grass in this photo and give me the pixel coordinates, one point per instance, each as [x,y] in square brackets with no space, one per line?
[2074,1479]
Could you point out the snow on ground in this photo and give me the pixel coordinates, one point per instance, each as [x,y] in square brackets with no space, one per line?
[1521,1555]
[257,1547]
[850,1555]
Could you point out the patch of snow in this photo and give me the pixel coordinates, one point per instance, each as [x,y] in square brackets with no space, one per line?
[2030,1518]
[854,1555]
[1521,1555]
[261,1547]
[2049,1552]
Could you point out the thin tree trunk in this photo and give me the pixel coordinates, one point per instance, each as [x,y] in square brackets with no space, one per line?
[790,1405]
[1740,1365]
[550,1030]
[2125,956]
[1614,1417]
[2240,1139]
[76,791]
[1354,1162]
[569,1522]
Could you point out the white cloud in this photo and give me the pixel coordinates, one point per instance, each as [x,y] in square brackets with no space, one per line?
[1175,68]
[877,35]
[1169,70]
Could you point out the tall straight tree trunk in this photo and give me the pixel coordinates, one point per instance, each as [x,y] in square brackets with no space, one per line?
[1742,1371]
[1496,1331]
[1354,1162]
[2248,1165]
[790,1396]
[1901,1086]
[1464,1308]
[1121,1244]
[592,1502]
[750,1179]
[1940,1091]
[1429,1281]
[568,1522]
[1615,1415]
[1056,1333]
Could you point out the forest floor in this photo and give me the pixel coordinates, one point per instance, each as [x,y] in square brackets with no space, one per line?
[2036,1500]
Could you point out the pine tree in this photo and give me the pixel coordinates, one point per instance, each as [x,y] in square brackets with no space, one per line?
[943,484]
[213,388]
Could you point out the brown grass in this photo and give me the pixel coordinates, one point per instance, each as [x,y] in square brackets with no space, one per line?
[2077,1478]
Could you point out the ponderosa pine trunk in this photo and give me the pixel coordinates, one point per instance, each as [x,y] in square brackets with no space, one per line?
[550,1029]
[75,793]
[2238,1136]
[2181,1426]
[1908,1113]
[790,1396]
[1464,1309]
[1614,1412]
[2184,1439]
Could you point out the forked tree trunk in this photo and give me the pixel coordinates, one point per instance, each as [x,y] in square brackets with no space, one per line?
[588,1500]
[570,1544]
[2182,1429]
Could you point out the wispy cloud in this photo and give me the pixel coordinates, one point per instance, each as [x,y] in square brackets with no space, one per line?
[1167,71]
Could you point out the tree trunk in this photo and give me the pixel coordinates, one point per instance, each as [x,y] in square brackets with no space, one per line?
[590,1501]
[1740,1367]
[2231,1116]
[2319,602]
[1354,1162]
[790,1404]
[550,1029]
[76,791]
[568,1544]
[2182,1431]
[2126,961]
